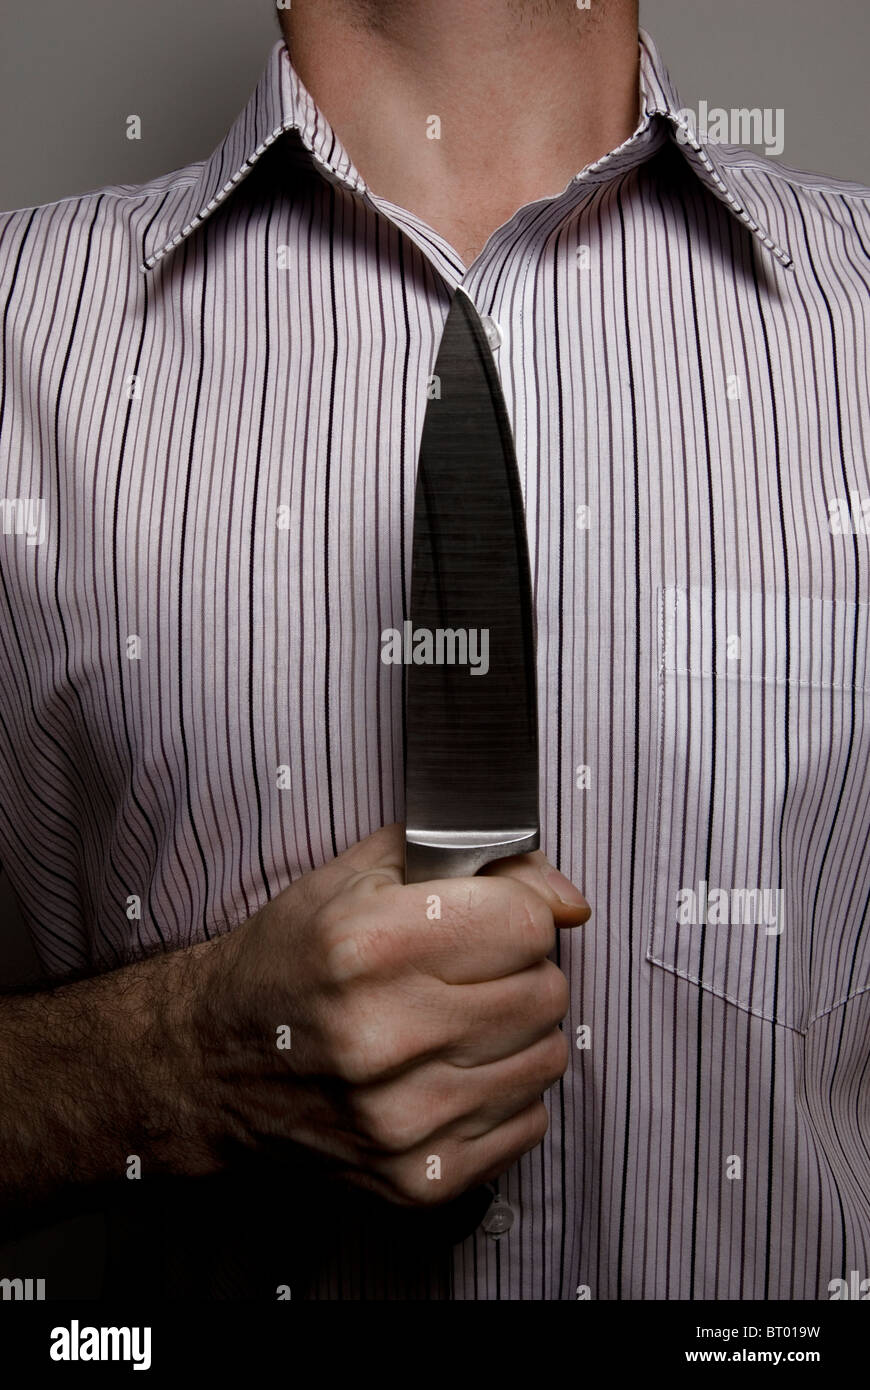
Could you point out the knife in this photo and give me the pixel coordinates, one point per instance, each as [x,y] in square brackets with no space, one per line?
[468,648]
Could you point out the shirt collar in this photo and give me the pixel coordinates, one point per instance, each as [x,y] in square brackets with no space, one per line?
[659,97]
[281,102]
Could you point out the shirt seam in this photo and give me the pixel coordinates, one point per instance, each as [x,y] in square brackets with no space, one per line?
[138,191]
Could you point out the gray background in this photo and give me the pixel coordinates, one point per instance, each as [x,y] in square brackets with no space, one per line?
[71,74]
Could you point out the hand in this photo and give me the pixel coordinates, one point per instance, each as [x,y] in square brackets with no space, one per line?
[423,1021]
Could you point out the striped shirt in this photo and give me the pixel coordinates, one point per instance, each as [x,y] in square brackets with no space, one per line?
[213,390]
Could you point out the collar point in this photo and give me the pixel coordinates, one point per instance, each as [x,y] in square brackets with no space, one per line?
[780,253]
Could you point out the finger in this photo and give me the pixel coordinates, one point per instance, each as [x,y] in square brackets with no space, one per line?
[439,1100]
[380,856]
[504,1017]
[459,930]
[465,1163]
[471,1026]
[494,1093]
[568,905]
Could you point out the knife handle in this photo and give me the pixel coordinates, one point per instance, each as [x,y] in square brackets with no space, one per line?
[457,854]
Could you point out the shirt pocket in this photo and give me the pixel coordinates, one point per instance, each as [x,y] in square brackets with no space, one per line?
[761,878]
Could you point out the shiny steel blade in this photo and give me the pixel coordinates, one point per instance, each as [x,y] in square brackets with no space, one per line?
[471,770]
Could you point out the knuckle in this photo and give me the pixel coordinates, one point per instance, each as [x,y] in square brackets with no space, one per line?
[338,944]
[556,1056]
[430,1174]
[532,918]
[539,1122]
[498,900]
[413,1191]
[427,1192]
[358,946]
[389,1129]
[464,904]
[363,1047]
[380,945]
[557,991]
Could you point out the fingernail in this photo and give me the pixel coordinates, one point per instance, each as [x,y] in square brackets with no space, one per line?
[563,888]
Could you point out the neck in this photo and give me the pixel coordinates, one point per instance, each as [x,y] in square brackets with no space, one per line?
[462,112]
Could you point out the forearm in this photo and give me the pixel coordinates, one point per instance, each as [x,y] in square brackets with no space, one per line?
[98,1071]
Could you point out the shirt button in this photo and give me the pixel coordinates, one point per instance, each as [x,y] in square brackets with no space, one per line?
[499,1218]
[492,331]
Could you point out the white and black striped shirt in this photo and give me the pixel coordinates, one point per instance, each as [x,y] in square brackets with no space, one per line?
[212,394]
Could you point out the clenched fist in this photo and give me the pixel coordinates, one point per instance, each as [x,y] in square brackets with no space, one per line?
[422,1021]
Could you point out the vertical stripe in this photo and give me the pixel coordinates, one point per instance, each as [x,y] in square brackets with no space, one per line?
[684,337]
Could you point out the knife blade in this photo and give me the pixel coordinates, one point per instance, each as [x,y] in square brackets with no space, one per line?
[468,647]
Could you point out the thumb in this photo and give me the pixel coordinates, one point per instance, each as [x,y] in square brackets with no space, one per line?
[380,859]
[567,903]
